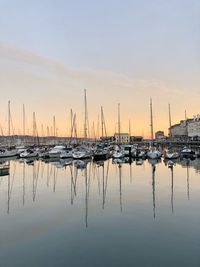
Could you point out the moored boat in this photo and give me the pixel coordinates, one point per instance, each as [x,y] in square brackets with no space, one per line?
[67,153]
[118,153]
[154,154]
[29,153]
[171,155]
[187,152]
[56,151]
[81,153]
[5,153]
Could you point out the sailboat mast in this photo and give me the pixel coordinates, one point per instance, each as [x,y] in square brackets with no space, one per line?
[33,124]
[98,127]
[101,121]
[104,123]
[94,133]
[24,131]
[151,115]
[170,121]
[34,128]
[71,113]
[85,113]
[119,123]
[54,126]
[9,118]
[129,127]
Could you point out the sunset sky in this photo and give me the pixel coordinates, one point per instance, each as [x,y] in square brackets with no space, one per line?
[120,51]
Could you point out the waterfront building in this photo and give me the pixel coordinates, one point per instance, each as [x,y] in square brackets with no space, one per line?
[180,130]
[123,138]
[194,127]
[188,128]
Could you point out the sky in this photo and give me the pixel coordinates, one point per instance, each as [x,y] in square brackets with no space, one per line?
[120,51]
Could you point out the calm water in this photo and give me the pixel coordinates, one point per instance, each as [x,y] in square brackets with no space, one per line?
[104,215]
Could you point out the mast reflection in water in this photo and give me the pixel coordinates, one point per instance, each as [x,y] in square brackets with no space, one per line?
[64,205]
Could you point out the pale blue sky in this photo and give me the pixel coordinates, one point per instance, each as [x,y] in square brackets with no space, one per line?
[144,39]
[130,49]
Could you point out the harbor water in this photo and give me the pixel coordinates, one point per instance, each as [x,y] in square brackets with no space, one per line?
[102,214]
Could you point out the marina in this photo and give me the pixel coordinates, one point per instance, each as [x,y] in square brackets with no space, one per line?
[133,206]
[99,133]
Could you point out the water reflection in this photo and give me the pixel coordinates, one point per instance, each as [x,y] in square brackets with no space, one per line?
[24,185]
[153,189]
[171,167]
[88,175]
[188,181]
[10,187]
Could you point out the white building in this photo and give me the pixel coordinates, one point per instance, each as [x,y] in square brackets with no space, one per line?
[194,127]
[179,129]
[123,138]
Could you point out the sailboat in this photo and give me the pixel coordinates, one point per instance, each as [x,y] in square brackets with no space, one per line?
[8,152]
[119,151]
[153,153]
[56,151]
[171,155]
[187,152]
[5,153]
[101,152]
[29,153]
[81,153]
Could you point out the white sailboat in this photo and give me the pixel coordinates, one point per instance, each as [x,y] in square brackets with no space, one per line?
[171,155]
[81,153]
[8,152]
[119,151]
[67,153]
[56,151]
[29,153]
[153,153]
